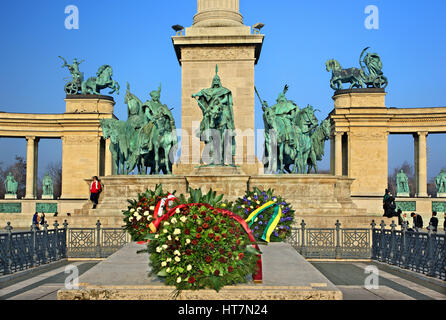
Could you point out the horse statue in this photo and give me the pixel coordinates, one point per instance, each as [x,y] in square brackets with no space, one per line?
[305,122]
[103,79]
[354,76]
[318,138]
[121,135]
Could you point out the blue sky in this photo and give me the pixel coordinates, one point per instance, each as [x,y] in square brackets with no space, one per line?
[134,37]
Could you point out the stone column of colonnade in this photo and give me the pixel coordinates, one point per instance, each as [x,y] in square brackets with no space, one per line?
[31,167]
[218,13]
[420,140]
[338,153]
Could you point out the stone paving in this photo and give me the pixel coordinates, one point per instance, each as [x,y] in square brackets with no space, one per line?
[347,276]
[394,283]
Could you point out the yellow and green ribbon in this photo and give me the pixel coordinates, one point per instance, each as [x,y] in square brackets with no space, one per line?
[272,223]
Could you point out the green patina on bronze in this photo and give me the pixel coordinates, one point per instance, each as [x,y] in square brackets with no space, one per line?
[46,207]
[295,134]
[47,185]
[11,185]
[406,205]
[10,207]
[74,85]
[440,182]
[217,108]
[402,183]
[370,74]
[93,85]
[146,139]
[439,206]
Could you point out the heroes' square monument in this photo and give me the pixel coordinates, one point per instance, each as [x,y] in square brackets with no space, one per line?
[217,55]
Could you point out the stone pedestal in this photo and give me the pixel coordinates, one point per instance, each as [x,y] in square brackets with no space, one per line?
[123,276]
[218,36]
[441,195]
[403,194]
[82,143]
[360,150]
[10,196]
[48,197]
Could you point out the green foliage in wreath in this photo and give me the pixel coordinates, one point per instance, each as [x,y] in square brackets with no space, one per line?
[139,213]
[255,199]
[201,247]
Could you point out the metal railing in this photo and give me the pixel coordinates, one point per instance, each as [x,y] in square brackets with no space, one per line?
[423,252]
[26,249]
[331,243]
[95,242]
[20,250]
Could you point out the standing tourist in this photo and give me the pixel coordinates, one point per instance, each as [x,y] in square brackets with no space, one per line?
[417,221]
[42,219]
[434,221]
[36,220]
[95,189]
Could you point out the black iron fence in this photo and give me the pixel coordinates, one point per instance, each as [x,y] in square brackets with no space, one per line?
[331,243]
[95,242]
[27,249]
[423,252]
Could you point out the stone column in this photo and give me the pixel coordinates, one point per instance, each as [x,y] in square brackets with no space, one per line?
[421,163]
[218,13]
[31,167]
[332,155]
[108,168]
[338,153]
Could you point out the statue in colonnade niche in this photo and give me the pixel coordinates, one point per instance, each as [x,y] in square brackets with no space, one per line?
[47,187]
[402,184]
[11,186]
[218,117]
[370,74]
[293,140]
[440,183]
[145,140]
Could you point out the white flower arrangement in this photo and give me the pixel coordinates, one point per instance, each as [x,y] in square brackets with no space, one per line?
[173,220]
[132,210]
[177,231]
[146,213]
[163,264]
[158,249]
[183,219]
[177,259]
[187,241]
[178,279]
[178,210]
[152,208]
[177,253]
[189,268]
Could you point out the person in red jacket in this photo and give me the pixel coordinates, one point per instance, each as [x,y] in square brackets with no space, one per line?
[95,189]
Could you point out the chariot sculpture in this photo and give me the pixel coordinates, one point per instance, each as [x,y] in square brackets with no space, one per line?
[93,85]
[370,74]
